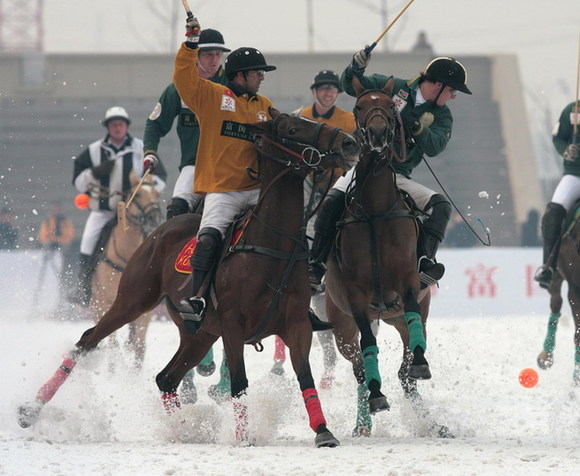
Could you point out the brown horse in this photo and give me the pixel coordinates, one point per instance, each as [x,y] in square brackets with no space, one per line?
[261,287]
[141,218]
[569,270]
[373,273]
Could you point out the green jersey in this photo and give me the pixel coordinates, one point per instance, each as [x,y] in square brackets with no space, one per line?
[436,121]
[563,136]
[161,120]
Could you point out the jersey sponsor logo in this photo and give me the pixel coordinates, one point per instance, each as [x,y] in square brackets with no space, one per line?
[262,116]
[228,103]
[400,103]
[156,112]
[402,93]
[188,120]
[236,130]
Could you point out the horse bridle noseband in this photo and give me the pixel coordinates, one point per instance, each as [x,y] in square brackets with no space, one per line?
[311,156]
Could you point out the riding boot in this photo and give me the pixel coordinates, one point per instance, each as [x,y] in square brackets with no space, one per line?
[202,262]
[551,230]
[331,209]
[432,233]
[177,206]
[82,293]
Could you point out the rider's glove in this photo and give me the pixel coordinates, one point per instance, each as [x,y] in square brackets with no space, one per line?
[192,29]
[150,161]
[572,152]
[361,59]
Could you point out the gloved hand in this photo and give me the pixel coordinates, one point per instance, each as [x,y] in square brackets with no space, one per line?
[103,170]
[361,59]
[150,162]
[572,152]
[192,29]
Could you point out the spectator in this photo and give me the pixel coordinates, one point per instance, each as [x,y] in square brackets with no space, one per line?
[57,230]
[422,45]
[8,230]
[530,228]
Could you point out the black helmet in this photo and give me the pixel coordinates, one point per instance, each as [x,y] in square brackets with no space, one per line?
[246,59]
[326,77]
[211,40]
[448,71]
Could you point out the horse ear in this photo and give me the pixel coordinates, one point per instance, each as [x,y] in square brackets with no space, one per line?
[274,113]
[133,180]
[358,87]
[388,88]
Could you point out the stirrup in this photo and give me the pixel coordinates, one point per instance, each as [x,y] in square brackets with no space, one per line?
[432,273]
[544,276]
[192,312]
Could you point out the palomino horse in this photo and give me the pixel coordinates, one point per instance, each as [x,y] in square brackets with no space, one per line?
[142,216]
[569,270]
[261,287]
[373,274]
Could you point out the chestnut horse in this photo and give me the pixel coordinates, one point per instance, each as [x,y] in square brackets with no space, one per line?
[140,218]
[261,287]
[569,270]
[373,273]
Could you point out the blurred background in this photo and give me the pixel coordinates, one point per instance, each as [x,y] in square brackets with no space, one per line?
[63,63]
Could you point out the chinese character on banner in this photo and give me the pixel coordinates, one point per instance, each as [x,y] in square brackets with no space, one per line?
[532,288]
[481,282]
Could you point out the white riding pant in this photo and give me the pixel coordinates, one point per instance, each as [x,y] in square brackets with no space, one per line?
[95,223]
[418,192]
[220,209]
[184,186]
[567,191]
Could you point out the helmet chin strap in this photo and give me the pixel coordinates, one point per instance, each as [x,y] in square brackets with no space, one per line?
[439,93]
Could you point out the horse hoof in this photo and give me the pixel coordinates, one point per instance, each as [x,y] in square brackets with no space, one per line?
[326,440]
[361,430]
[28,414]
[441,431]
[420,372]
[206,370]
[278,367]
[217,394]
[545,360]
[378,404]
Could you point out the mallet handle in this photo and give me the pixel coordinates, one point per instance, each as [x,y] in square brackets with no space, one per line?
[187,9]
[380,37]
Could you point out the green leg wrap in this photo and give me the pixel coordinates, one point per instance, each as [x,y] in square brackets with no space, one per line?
[223,386]
[371,363]
[550,341]
[577,367]
[363,416]
[208,359]
[416,336]
[577,356]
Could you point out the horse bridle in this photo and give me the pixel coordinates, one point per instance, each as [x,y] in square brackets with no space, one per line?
[141,219]
[392,121]
[311,155]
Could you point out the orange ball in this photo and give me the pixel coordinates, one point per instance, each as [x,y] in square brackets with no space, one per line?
[528,378]
[82,201]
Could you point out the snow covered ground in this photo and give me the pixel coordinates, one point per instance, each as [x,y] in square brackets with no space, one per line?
[107,419]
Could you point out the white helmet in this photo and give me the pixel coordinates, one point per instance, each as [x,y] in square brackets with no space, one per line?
[116,112]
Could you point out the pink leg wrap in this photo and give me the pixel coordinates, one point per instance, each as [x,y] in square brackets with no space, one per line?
[313,408]
[170,402]
[241,415]
[280,350]
[48,390]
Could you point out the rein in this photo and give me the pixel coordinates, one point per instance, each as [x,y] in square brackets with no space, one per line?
[310,157]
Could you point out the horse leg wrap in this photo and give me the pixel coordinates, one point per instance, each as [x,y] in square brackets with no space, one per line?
[170,402]
[48,390]
[416,335]
[363,414]
[371,363]
[241,416]
[312,402]
[550,341]
[279,349]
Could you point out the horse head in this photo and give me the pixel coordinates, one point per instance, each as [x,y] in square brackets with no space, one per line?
[144,211]
[375,115]
[304,144]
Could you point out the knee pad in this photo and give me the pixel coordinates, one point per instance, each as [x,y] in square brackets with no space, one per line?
[330,211]
[209,241]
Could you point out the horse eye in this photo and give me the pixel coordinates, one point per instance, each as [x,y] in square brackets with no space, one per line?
[293,131]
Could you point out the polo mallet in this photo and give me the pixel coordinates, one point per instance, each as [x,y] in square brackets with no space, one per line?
[372,46]
[187,9]
[121,206]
